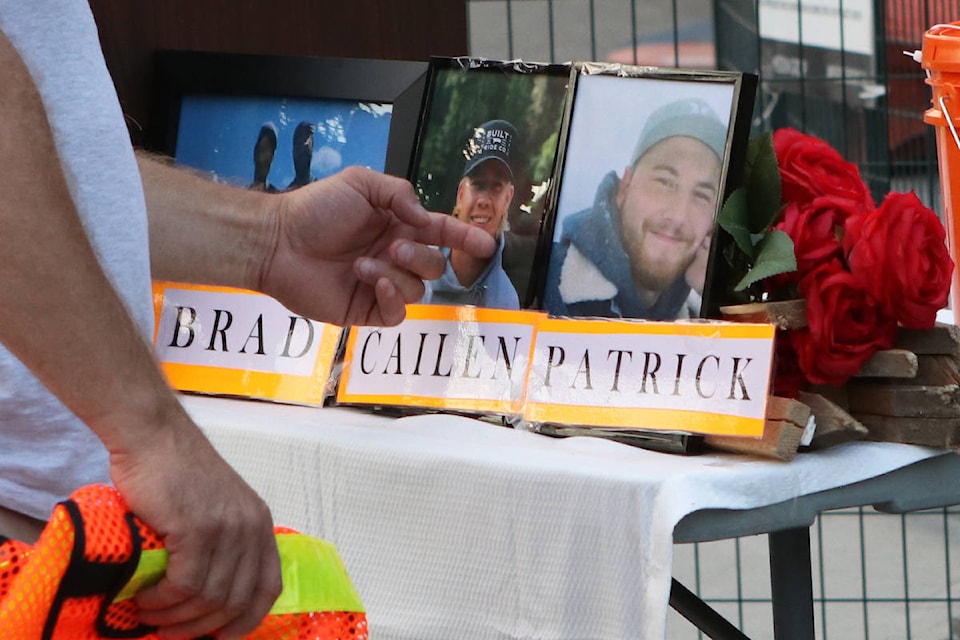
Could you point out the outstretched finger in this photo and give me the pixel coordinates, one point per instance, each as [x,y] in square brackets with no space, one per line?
[423,261]
[407,286]
[446,231]
[393,289]
[388,193]
[390,303]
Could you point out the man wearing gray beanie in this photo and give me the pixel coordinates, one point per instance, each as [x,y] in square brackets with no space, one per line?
[627,255]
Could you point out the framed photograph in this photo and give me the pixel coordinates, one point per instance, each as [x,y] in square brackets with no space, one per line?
[647,158]
[277,122]
[485,151]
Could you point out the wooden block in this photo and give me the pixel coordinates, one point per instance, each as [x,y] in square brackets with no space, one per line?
[901,400]
[937,370]
[890,363]
[833,424]
[787,314]
[780,441]
[943,340]
[788,409]
[836,395]
[930,432]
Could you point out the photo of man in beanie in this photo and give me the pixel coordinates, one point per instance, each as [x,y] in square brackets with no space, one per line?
[483,199]
[630,254]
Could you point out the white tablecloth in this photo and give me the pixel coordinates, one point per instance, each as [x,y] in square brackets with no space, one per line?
[456,528]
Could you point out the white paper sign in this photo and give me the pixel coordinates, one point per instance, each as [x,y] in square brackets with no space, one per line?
[693,377]
[237,331]
[444,357]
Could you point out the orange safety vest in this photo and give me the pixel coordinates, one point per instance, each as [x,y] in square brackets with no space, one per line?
[78,581]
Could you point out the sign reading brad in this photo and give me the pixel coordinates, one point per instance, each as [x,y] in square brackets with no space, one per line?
[483,199]
[644,172]
[485,152]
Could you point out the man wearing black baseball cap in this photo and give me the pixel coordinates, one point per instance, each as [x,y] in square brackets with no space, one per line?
[628,255]
[483,200]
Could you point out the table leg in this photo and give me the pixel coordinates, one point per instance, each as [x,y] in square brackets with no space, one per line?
[702,615]
[791,583]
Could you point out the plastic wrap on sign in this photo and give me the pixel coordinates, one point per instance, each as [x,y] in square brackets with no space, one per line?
[223,341]
[456,358]
[703,377]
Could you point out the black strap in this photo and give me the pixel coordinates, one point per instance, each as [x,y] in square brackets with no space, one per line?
[84,578]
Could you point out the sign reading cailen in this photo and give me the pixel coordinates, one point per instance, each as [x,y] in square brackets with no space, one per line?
[457,358]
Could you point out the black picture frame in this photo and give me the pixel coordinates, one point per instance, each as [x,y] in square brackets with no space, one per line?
[399,83]
[461,95]
[614,125]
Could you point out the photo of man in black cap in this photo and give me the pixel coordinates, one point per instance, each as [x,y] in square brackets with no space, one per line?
[634,252]
[484,195]
[485,148]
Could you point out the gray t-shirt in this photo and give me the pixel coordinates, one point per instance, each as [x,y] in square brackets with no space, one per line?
[45,451]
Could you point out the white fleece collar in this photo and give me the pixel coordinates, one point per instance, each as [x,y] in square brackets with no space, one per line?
[581,280]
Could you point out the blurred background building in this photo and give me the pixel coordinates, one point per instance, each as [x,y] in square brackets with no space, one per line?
[833,68]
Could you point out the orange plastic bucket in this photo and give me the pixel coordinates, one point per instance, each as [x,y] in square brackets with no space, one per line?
[941,59]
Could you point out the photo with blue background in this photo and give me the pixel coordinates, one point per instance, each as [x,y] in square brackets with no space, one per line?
[219,134]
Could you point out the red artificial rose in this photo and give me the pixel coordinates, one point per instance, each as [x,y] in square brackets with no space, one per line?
[816,229]
[788,378]
[899,253]
[845,325]
[809,167]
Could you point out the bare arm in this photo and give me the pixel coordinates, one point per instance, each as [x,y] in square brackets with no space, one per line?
[223,568]
[201,231]
[43,299]
[353,248]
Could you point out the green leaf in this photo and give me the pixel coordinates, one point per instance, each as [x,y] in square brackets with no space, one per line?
[762,182]
[774,256]
[731,220]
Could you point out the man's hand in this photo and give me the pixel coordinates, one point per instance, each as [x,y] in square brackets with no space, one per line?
[223,573]
[354,248]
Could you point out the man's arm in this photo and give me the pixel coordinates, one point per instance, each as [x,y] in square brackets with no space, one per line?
[201,231]
[224,569]
[353,248]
